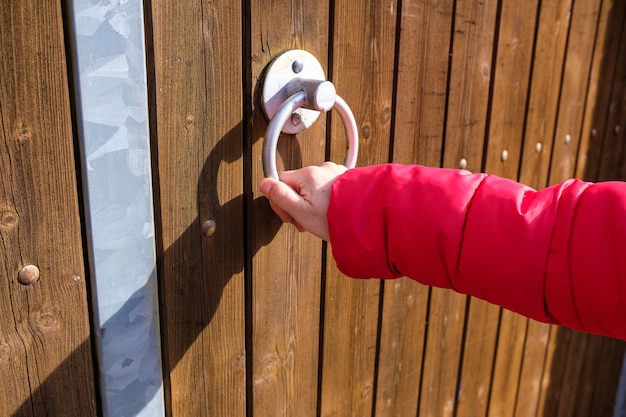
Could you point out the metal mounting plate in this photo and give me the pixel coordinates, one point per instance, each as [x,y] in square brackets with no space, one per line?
[283,69]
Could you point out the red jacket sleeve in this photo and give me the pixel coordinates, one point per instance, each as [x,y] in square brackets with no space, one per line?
[556,255]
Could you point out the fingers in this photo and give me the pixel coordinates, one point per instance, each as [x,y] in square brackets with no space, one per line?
[283,198]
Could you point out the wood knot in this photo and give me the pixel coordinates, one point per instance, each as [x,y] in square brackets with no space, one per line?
[366,131]
[8,219]
[385,115]
[48,320]
[23,133]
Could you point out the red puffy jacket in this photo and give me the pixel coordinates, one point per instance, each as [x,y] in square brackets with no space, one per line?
[556,255]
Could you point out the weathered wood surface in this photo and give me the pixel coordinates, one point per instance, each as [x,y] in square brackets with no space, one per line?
[256,319]
[363,67]
[44,327]
[285,275]
[197,104]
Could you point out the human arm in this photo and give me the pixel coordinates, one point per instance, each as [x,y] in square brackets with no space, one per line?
[554,255]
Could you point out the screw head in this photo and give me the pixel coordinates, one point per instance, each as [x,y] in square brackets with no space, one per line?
[297,66]
[463,163]
[538,147]
[504,156]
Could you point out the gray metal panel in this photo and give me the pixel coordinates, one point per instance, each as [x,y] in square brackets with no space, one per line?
[109,57]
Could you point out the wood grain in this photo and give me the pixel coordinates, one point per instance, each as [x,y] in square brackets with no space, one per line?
[199,102]
[363,67]
[419,124]
[601,77]
[286,265]
[512,62]
[545,88]
[470,83]
[44,327]
[613,148]
[574,86]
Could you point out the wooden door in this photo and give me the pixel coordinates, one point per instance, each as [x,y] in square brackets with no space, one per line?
[256,320]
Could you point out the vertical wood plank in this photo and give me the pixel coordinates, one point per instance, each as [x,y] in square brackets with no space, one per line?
[199,101]
[420,112]
[286,272]
[427,71]
[467,121]
[574,89]
[550,45]
[509,98]
[44,327]
[599,92]
[470,82]
[363,67]
[613,148]
[547,74]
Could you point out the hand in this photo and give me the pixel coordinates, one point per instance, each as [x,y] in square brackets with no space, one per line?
[301,197]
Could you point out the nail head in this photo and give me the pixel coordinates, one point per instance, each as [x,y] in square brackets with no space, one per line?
[504,156]
[208,228]
[568,138]
[28,275]
[538,147]
[463,163]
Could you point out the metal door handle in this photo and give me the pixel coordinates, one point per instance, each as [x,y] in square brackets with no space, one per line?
[295,92]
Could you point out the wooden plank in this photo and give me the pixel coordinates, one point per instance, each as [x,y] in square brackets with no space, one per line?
[583,398]
[198,99]
[599,91]
[403,330]
[419,124]
[286,265]
[470,82]
[613,148]
[363,67]
[44,328]
[547,74]
[550,45]
[574,89]
[510,84]
[573,372]
[606,377]
[469,87]
[423,80]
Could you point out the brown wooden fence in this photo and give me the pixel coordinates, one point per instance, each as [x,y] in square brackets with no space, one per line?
[257,320]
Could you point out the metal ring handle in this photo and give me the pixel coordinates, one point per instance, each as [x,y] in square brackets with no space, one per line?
[283,114]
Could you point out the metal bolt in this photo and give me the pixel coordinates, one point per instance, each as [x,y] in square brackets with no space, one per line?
[568,138]
[538,147]
[28,275]
[296,119]
[463,163]
[297,66]
[504,156]
[208,228]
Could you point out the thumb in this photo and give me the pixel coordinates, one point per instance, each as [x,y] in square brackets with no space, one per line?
[284,200]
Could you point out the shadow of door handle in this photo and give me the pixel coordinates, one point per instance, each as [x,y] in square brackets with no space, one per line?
[295,92]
